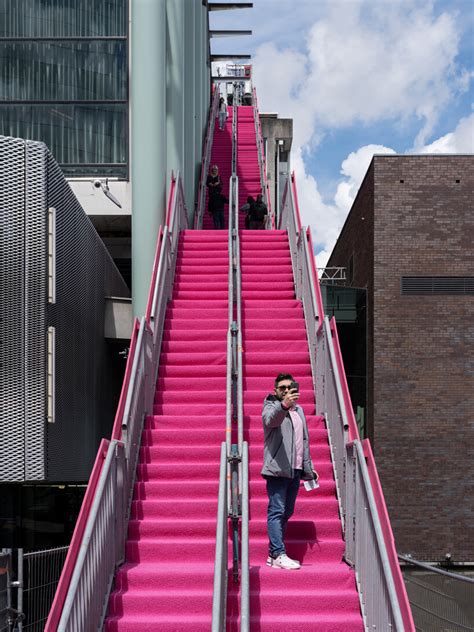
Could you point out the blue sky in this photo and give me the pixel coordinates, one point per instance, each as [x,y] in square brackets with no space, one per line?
[358,77]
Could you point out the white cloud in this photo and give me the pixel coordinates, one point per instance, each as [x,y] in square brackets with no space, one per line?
[363,62]
[354,168]
[461,141]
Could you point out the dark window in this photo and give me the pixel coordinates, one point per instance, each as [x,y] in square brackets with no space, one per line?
[451,286]
[64,80]
[63,18]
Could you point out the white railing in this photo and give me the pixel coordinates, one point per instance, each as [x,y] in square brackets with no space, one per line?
[94,570]
[369,542]
[262,162]
[219,598]
[365,547]
[98,543]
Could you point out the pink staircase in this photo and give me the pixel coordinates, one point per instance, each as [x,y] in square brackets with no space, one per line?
[321,595]
[247,158]
[166,583]
[221,155]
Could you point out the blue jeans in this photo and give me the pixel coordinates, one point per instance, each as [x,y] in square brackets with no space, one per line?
[282,493]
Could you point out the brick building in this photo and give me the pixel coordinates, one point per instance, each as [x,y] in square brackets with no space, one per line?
[409,239]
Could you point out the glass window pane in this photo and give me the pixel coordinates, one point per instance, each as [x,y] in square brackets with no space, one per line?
[72,71]
[62,18]
[74,133]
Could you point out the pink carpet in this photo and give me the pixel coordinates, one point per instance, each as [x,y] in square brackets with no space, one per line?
[221,155]
[166,583]
[248,170]
[322,596]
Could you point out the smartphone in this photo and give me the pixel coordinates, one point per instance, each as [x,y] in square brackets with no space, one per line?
[294,386]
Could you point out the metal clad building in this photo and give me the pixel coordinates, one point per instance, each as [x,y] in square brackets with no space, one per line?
[55,275]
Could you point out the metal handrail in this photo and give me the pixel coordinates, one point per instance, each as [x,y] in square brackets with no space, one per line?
[224,508]
[95,564]
[429,567]
[333,402]
[199,213]
[219,597]
[98,546]
[262,162]
[366,520]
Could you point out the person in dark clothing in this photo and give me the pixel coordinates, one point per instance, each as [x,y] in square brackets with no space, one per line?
[216,209]
[258,214]
[245,208]
[214,184]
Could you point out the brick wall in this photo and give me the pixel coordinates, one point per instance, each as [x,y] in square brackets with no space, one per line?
[423,348]
[356,241]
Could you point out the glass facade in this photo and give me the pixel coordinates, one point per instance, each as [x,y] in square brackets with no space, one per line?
[64,80]
[349,306]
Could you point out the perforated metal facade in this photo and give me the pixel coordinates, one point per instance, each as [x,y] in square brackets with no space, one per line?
[31,449]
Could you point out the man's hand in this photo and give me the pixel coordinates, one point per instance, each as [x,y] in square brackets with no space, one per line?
[315,475]
[290,398]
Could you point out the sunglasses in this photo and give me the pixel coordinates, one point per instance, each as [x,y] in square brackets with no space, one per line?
[284,388]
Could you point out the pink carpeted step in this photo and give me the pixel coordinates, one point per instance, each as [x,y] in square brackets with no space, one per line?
[322,595]
[171,538]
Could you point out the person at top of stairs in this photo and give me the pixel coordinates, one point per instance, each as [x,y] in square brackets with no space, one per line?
[286,462]
[222,113]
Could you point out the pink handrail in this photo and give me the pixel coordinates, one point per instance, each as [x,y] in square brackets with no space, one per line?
[76,540]
[295,197]
[405,610]
[170,202]
[117,427]
[314,272]
[153,275]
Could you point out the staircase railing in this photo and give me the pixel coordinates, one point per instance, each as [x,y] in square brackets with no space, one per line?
[369,540]
[262,162]
[233,479]
[206,159]
[98,543]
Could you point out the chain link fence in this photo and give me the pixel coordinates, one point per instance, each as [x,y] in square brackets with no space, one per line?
[441,601]
[5,570]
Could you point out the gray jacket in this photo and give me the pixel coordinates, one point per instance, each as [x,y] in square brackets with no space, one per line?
[279,437]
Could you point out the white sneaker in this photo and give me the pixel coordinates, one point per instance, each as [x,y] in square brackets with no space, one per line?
[283,561]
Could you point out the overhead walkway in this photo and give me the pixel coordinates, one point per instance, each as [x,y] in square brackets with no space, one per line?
[172,532]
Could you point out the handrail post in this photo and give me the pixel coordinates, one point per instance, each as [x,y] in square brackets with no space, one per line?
[244,575]
[220,564]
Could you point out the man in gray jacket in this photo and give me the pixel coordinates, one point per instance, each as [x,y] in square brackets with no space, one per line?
[286,462]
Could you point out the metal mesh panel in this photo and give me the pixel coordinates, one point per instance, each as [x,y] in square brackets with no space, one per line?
[12,228]
[85,395]
[440,603]
[35,310]
[87,379]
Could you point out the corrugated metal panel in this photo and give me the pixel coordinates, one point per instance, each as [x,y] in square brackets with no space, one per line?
[31,449]
[12,274]
[431,285]
[36,259]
